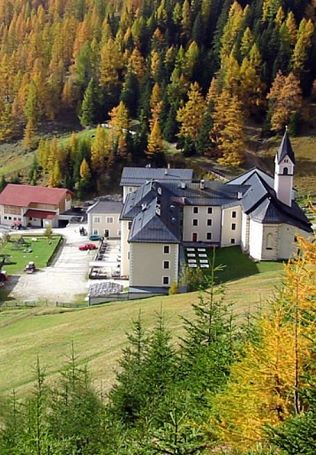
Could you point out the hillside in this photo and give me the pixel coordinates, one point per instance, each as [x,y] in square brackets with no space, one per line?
[99,333]
[194,74]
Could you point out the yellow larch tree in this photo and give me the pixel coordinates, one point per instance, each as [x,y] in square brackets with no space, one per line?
[190,116]
[303,43]
[99,150]
[155,140]
[228,129]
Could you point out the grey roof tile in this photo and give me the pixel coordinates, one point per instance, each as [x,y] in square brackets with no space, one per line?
[285,149]
[137,176]
[104,206]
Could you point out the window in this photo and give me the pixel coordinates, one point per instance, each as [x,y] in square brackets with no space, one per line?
[5,217]
[209,222]
[96,219]
[195,210]
[165,280]
[166,264]
[109,219]
[209,210]
[95,232]
[234,214]
[209,236]
[194,237]
[234,227]
[269,241]
[232,241]
[195,222]
[285,171]
[130,189]
[9,218]
[14,218]
[166,249]
[129,225]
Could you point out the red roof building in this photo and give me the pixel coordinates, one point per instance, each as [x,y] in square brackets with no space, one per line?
[33,205]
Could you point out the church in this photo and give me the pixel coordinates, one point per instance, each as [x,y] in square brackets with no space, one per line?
[166,213]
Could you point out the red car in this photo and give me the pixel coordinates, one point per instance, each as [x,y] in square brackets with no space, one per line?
[88,247]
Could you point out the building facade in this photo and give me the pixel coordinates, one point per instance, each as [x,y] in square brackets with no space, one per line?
[104,219]
[160,217]
[37,206]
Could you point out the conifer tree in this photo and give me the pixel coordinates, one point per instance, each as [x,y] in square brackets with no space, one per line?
[87,110]
[190,116]
[99,150]
[155,141]
[227,132]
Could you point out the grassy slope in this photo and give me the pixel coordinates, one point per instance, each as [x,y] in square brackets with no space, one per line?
[99,333]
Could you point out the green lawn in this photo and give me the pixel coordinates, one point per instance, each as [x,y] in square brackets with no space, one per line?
[99,333]
[237,265]
[39,251]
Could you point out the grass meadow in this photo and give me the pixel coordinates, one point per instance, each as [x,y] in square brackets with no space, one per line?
[98,333]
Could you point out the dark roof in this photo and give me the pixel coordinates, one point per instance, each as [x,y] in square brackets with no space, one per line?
[285,149]
[151,225]
[104,206]
[137,176]
[214,193]
[134,201]
[261,204]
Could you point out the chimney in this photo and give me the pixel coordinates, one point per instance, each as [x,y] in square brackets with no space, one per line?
[202,184]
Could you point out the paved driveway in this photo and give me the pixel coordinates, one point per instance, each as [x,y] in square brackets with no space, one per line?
[65,279]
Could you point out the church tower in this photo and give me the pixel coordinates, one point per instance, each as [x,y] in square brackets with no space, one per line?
[284,171]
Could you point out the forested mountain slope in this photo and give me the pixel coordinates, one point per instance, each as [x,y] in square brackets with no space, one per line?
[192,71]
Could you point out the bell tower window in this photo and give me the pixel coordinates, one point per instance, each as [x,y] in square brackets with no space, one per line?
[286,171]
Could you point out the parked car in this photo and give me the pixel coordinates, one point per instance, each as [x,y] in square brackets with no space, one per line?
[95,237]
[88,247]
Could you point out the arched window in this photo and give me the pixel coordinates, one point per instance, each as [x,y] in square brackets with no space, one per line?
[285,171]
[269,241]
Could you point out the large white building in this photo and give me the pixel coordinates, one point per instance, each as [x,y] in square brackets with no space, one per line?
[165,211]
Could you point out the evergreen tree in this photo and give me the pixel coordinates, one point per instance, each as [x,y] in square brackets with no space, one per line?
[87,111]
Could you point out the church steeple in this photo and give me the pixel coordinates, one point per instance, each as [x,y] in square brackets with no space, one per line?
[284,171]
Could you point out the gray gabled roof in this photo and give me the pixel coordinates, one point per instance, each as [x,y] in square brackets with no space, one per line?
[285,149]
[261,204]
[106,206]
[244,178]
[137,176]
[134,201]
[149,226]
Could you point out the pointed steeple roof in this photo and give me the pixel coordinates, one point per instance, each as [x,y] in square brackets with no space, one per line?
[286,149]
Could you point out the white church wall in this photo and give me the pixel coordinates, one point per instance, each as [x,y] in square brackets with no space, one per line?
[287,246]
[231,226]
[255,240]
[270,242]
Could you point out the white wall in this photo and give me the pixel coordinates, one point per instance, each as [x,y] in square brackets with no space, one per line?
[202,228]
[9,218]
[127,190]
[227,226]
[287,246]
[125,248]
[270,242]
[255,239]
[245,221]
[146,264]
[283,183]
[99,227]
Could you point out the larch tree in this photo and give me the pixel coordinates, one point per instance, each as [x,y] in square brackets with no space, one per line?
[155,140]
[303,43]
[285,98]
[99,150]
[190,116]
[228,129]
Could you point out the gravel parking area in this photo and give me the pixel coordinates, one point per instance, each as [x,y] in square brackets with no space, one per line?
[65,279]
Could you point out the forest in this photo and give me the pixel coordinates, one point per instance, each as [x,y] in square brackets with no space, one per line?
[190,72]
[231,385]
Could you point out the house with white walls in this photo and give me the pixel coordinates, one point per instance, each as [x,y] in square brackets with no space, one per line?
[161,217]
